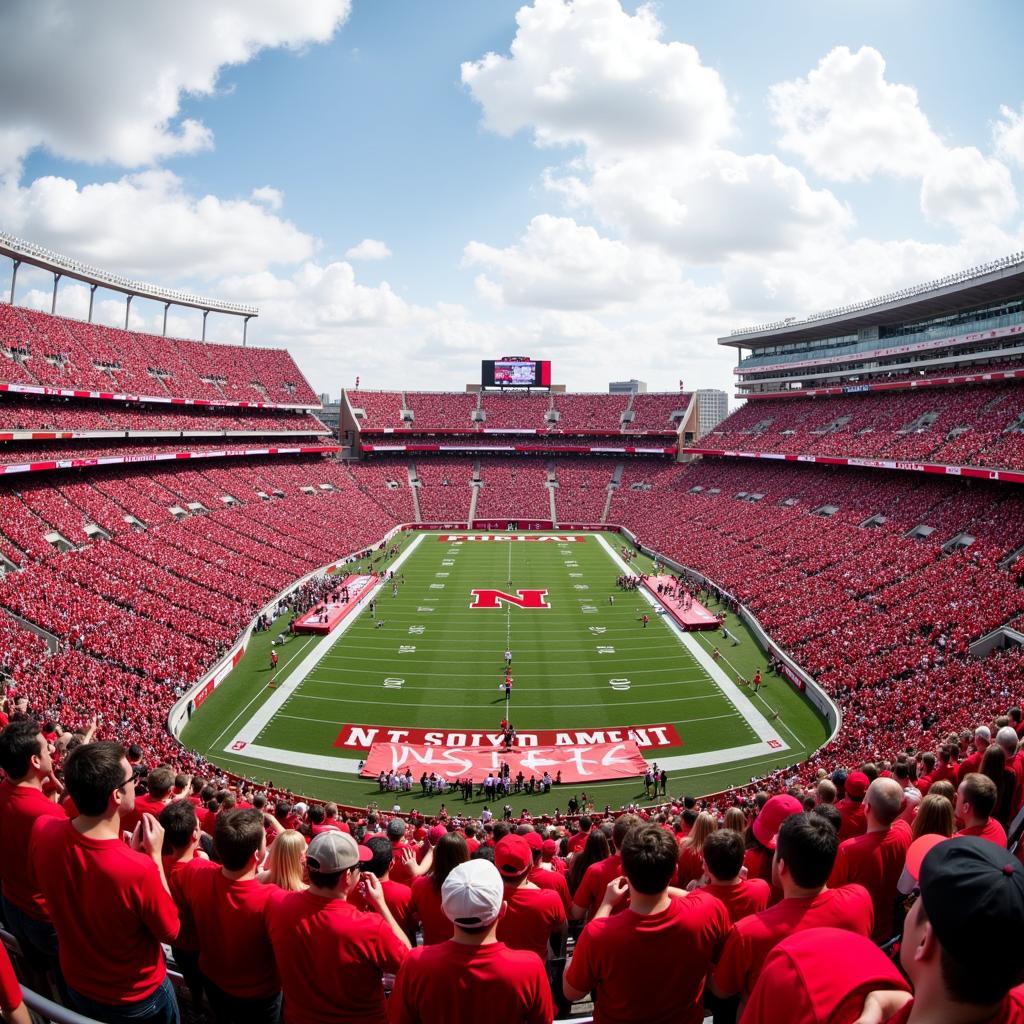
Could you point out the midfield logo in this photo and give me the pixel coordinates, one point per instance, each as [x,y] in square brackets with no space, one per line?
[521,599]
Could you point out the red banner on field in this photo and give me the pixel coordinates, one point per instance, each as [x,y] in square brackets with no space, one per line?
[363,737]
[577,764]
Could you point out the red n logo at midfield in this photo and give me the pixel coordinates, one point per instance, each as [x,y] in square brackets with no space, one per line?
[521,599]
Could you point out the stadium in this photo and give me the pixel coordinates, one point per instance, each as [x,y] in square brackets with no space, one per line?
[585,678]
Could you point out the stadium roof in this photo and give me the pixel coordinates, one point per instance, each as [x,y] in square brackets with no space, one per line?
[991,282]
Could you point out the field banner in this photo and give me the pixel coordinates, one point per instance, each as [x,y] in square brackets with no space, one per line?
[577,764]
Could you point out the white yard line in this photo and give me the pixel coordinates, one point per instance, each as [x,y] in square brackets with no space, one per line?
[259,721]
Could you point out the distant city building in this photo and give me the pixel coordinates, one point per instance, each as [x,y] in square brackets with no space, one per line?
[712,408]
[330,414]
[325,398]
[627,387]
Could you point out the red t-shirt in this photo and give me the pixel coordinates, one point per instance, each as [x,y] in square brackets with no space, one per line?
[650,966]
[187,939]
[110,909]
[853,821]
[397,897]
[399,871]
[595,881]
[1011,1010]
[749,896]
[991,830]
[875,860]
[555,881]
[753,938]
[690,867]
[461,984]
[577,841]
[331,958]
[531,917]
[10,990]
[144,804]
[20,808]
[234,948]
[426,907]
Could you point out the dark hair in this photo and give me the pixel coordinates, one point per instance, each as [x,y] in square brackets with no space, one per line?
[383,855]
[649,858]
[92,773]
[159,782]
[501,829]
[808,844]
[964,982]
[831,814]
[317,815]
[981,793]
[19,743]
[237,835]
[134,754]
[451,851]
[483,853]
[623,824]
[323,879]
[585,822]
[179,822]
[723,853]
[594,849]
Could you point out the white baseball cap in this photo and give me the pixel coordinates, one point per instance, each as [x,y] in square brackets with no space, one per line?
[472,894]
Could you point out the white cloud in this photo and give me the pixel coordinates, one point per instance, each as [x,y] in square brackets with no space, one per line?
[146,225]
[964,188]
[1008,135]
[585,71]
[559,264]
[101,82]
[368,249]
[848,123]
[271,197]
[708,208]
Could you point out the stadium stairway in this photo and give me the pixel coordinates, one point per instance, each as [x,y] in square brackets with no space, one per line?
[552,483]
[414,486]
[475,493]
[612,488]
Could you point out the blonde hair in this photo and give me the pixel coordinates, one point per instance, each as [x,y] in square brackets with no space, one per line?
[285,860]
[703,827]
[934,815]
[735,820]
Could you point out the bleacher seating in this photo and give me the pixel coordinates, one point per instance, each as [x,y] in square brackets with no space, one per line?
[382,408]
[513,486]
[441,409]
[653,411]
[37,348]
[582,488]
[515,410]
[590,412]
[444,494]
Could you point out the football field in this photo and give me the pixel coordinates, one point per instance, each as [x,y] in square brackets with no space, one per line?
[423,662]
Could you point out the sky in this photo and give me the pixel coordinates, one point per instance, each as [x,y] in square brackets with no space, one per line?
[405,188]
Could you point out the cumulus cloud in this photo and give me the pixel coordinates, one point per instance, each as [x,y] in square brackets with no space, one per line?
[848,123]
[146,225]
[1008,135]
[585,71]
[99,82]
[964,188]
[559,264]
[368,249]
[269,196]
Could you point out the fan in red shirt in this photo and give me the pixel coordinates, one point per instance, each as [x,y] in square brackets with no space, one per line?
[961,945]
[975,801]
[543,875]
[472,977]
[12,1005]
[398,897]
[227,906]
[579,839]
[330,956]
[159,793]
[426,890]
[972,763]
[109,902]
[851,807]
[723,861]
[875,859]
[804,856]
[650,961]
[534,918]
[25,757]
[591,891]
[761,838]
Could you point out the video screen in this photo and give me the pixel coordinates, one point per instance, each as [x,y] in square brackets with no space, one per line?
[516,373]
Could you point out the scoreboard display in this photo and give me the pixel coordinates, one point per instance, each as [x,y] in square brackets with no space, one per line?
[516,372]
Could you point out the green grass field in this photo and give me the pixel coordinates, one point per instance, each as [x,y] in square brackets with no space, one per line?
[436,663]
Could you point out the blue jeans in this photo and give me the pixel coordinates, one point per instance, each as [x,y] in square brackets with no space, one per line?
[229,1009]
[38,939]
[161,1007]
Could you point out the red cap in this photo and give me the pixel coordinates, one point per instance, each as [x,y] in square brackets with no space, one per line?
[821,976]
[767,824]
[549,848]
[420,834]
[512,856]
[857,785]
[534,840]
[918,850]
[436,832]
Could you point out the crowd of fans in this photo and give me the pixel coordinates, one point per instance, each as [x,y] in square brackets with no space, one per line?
[37,348]
[514,483]
[971,425]
[761,908]
[64,415]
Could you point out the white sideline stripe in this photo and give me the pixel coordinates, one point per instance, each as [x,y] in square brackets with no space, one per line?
[350,765]
[260,720]
[730,690]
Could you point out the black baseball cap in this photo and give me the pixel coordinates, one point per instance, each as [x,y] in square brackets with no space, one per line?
[973,894]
